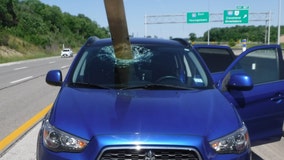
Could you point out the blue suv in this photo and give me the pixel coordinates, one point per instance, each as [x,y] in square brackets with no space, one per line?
[161,104]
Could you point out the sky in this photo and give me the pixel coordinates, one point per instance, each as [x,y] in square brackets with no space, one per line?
[136,10]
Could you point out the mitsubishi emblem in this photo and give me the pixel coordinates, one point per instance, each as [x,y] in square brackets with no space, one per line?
[150,155]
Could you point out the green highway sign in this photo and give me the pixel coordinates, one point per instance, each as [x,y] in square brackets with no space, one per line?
[197,17]
[236,16]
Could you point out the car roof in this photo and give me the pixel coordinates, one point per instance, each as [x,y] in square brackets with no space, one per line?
[154,41]
[210,46]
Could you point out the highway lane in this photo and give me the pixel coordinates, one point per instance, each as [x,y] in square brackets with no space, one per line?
[13,73]
[23,91]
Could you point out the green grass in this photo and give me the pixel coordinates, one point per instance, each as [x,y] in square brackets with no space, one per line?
[24,57]
[18,50]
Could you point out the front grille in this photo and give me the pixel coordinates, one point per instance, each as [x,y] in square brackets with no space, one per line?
[150,153]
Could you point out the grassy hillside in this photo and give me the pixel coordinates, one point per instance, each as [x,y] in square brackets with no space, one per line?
[18,49]
[32,29]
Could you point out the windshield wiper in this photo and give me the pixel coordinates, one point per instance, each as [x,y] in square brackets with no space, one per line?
[157,86]
[87,85]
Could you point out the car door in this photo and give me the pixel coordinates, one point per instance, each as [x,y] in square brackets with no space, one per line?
[261,108]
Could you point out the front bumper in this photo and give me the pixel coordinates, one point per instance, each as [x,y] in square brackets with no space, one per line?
[158,147]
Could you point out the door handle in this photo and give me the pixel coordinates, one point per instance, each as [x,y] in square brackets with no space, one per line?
[278,98]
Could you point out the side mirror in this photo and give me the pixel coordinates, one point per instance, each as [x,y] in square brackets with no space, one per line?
[240,81]
[54,77]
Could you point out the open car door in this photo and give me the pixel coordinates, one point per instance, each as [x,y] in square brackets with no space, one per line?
[262,107]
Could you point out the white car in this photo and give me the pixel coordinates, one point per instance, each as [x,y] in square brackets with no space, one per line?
[66,52]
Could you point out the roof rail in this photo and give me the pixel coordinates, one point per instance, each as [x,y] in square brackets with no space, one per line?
[91,40]
[182,41]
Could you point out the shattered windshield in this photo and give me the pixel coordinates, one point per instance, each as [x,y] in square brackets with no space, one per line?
[152,67]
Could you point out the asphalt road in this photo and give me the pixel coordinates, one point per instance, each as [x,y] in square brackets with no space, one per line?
[23,93]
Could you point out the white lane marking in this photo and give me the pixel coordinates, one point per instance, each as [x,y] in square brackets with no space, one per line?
[22,79]
[64,67]
[51,62]
[15,69]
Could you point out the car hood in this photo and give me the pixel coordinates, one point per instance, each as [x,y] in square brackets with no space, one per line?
[92,112]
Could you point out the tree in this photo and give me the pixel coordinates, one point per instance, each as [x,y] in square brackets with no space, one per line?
[46,26]
[236,33]
[8,16]
[232,43]
[192,37]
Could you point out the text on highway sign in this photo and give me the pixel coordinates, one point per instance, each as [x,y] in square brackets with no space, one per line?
[235,16]
[197,17]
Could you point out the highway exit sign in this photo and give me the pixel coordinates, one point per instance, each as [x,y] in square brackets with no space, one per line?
[236,16]
[197,17]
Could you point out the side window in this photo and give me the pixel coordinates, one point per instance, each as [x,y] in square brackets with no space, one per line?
[261,65]
[80,69]
[195,71]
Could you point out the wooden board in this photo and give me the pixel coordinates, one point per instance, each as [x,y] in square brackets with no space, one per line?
[118,28]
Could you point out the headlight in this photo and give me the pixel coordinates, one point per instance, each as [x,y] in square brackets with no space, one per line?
[59,141]
[236,142]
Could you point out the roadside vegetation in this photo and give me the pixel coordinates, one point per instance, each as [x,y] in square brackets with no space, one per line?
[233,36]
[256,34]
[32,29]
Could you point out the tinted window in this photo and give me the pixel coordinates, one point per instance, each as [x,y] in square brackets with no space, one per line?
[216,59]
[261,65]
